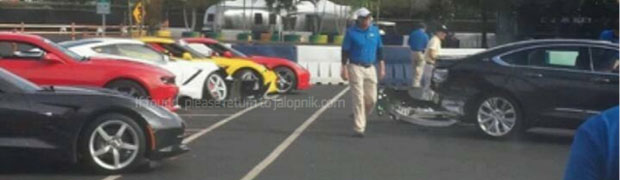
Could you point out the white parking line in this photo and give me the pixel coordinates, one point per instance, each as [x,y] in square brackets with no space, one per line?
[204,115]
[204,131]
[112,177]
[290,139]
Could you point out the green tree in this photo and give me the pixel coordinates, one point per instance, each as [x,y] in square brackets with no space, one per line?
[193,6]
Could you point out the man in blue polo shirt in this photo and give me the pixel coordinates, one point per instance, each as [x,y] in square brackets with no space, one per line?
[611,35]
[418,39]
[361,49]
[594,154]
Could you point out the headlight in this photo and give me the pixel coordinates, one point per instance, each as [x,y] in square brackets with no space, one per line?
[168,80]
[440,75]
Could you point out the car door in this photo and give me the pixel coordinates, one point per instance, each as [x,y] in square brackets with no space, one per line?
[553,81]
[22,59]
[604,79]
[12,60]
[21,126]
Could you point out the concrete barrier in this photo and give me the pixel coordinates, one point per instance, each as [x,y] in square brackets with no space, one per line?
[398,69]
[324,64]
[282,51]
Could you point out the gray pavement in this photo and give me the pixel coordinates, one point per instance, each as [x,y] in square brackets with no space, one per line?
[326,150]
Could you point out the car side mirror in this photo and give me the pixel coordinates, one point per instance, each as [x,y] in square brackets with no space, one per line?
[227,54]
[52,58]
[187,56]
[29,54]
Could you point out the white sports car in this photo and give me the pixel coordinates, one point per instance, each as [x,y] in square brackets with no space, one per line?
[196,80]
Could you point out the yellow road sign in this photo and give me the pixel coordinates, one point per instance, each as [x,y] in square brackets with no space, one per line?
[138,14]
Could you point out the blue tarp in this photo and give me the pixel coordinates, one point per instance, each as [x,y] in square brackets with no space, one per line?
[283,51]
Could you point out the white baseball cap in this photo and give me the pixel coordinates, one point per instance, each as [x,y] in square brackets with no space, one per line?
[362,12]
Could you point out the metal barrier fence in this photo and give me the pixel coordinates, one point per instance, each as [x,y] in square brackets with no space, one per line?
[70,31]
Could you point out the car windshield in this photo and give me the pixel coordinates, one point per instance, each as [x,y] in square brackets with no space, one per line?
[177,51]
[226,48]
[66,51]
[18,82]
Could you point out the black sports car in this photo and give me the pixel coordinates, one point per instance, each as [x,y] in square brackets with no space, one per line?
[510,88]
[108,131]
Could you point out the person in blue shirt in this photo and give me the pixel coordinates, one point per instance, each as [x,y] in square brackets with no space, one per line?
[594,153]
[610,35]
[362,48]
[418,40]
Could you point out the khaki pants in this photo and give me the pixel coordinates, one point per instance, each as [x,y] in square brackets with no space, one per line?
[418,62]
[363,84]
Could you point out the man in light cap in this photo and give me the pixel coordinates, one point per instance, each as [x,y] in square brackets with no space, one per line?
[361,49]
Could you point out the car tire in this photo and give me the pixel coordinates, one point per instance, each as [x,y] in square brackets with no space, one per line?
[248,77]
[287,79]
[111,144]
[498,116]
[216,88]
[128,87]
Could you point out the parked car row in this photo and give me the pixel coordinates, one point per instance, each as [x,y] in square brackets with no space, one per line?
[108,102]
[150,67]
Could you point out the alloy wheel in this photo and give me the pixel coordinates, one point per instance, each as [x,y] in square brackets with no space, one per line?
[130,91]
[217,87]
[250,76]
[497,116]
[114,145]
[285,80]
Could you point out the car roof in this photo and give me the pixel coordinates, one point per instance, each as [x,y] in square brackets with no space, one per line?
[556,41]
[157,40]
[98,42]
[19,36]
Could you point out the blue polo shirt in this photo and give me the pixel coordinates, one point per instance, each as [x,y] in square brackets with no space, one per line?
[609,35]
[362,45]
[594,154]
[418,40]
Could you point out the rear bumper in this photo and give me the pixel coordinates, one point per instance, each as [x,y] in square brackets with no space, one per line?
[303,80]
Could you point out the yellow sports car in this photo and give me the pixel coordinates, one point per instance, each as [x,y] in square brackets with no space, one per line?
[255,79]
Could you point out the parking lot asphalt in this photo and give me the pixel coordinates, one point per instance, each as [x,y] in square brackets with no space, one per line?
[293,137]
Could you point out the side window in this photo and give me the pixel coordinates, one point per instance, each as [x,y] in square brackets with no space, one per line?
[210,17]
[605,60]
[258,18]
[139,52]
[207,51]
[109,49]
[569,57]
[19,51]
[517,58]
[273,19]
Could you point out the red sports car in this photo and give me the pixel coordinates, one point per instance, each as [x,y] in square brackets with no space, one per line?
[290,75]
[45,63]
